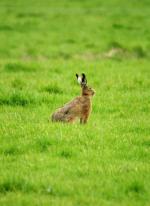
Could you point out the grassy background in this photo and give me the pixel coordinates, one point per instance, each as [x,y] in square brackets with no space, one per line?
[42,45]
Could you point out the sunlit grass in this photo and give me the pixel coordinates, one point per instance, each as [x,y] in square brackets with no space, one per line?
[43,46]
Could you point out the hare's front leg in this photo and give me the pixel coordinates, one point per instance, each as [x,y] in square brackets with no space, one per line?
[83,120]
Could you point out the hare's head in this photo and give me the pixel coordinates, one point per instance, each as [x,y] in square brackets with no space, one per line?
[86,90]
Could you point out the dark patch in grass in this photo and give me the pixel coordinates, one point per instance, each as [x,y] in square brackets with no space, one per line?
[70,41]
[33,15]
[64,55]
[118,26]
[12,151]
[43,144]
[66,154]
[145,109]
[135,187]
[52,89]
[18,67]
[146,143]
[122,26]
[82,173]
[16,185]
[6,28]
[138,82]
[139,52]
[16,99]
[115,45]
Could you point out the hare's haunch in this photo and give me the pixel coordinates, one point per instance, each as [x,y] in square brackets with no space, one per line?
[80,107]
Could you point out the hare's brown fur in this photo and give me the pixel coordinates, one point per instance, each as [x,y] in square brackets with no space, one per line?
[80,107]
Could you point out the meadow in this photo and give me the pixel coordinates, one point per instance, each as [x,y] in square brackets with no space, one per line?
[43,44]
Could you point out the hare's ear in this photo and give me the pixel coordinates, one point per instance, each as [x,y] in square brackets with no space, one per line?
[84,80]
[79,79]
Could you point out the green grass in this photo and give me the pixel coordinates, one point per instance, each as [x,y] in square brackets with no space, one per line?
[43,44]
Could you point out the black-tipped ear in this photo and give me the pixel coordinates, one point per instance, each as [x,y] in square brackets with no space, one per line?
[77,76]
[84,80]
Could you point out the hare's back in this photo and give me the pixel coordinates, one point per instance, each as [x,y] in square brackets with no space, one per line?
[73,105]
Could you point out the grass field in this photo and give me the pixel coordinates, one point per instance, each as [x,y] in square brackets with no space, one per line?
[43,44]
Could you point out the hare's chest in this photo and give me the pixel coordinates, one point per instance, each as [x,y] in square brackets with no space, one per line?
[86,106]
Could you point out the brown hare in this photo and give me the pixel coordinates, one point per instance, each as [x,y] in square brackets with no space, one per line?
[80,107]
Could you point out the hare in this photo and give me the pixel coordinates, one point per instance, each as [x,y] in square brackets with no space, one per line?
[80,107]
